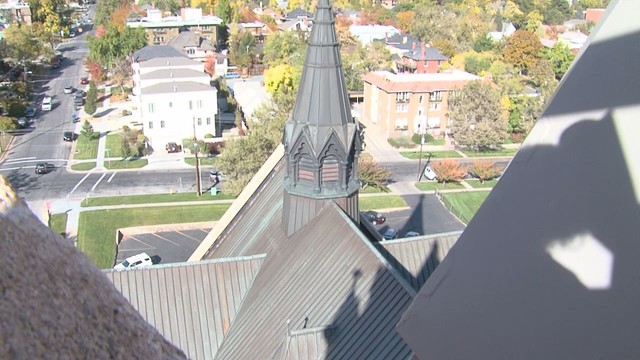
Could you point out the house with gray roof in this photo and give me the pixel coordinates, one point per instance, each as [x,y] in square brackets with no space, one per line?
[156,51]
[193,45]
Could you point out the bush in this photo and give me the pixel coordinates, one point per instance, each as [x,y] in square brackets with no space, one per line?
[215,148]
[448,170]
[208,136]
[401,142]
[417,138]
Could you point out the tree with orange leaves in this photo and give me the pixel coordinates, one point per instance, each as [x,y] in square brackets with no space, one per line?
[210,64]
[119,16]
[448,170]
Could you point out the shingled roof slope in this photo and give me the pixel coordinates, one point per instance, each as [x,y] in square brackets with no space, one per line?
[327,275]
[191,304]
[156,51]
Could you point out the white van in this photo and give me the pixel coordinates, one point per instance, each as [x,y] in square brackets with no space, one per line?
[47,103]
[135,261]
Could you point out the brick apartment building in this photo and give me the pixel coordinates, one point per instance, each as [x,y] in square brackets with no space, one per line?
[407,104]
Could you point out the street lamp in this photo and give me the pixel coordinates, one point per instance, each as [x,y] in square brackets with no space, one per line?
[195,148]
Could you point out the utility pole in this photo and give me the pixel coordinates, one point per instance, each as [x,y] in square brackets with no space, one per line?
[195,147]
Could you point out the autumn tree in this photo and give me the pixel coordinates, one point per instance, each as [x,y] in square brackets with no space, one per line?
[484,170]
[95,70]
[448,170]
[210,64]
[522,49]
[22,43]
[477,121]
[104,9]
[541,73]
[119,17]
[371,173]
[7,123]
[48,13]
[241,49]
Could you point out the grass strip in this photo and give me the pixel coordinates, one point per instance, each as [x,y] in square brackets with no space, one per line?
[86,148]
[439,154]
[464,204]
[501,152]
[381,202]
[58,224]
[84,166]
[152,199]
[432,185]
[475,183]
[97,229]
[204,161]
[125,164]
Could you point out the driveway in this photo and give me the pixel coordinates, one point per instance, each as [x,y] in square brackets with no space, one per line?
[163,247]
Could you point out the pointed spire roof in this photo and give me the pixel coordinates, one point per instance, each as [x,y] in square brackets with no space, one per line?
[322,106]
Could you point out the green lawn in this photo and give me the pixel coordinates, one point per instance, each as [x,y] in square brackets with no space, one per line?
[114,144]
[125,164]
[58,224]
[97,229]
[501,152]
[84,166]
[206,161]
[440,154]
[381,202]
[432,185]
[372,190]
[86,148]
[464,204]
[152,199]
[475,183]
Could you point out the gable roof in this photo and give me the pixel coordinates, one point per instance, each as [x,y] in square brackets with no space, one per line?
[327,275]
[179,73]
[548,267]
[181,60]
[429,54]
[176,87]
[298,13]
[157,51]
[191,304]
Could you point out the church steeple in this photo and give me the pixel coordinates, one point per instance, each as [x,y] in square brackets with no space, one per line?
[322,140]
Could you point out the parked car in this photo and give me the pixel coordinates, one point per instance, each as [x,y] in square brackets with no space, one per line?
[173,147]
[411,234]
[30,112]
[23,122]
[135,261]
[68,89]
[429,173]
[390,234]
[43,168]
[68,136]
[375,218]
[47,103]
[80,92]
[84,81]
[78,99]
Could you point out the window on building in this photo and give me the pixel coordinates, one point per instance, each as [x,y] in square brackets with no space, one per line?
[435,96]
[433,122]
[162,124]
[401,124]
[208,121]
[199,121]
[199,104]
[150,124]
[190,105]
[402,97]
[434,106]
[191,51]
[152,108]
[170,104]
[402,108]
[421,99]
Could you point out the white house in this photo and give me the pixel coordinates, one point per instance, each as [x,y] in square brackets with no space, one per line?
[172,111]
[367,33]
[169,75]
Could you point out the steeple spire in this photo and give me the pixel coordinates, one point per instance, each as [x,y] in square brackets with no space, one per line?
[322,140]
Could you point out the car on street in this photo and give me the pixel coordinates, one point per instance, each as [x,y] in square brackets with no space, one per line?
[82,93]
[23,122]
[84,81]
[173,147]
[68,136]
[135,261]
[78,99]
[30,112]
[47,103]
[390,234]
[43,168]
[75,118]
[375,217]
[429,173]
[68,89]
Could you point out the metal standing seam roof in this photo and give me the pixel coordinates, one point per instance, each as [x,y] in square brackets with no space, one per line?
[190,304]
[322,106]
[548,266]
[327,275]
[417,258]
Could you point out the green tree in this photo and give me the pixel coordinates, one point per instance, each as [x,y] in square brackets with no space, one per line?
[115,45]
[534,21]
[542,73]
[483,43]
[557,12]
[560,57]
[476,64]
[7,123]
[104,9]
[87,130]
[362,60]
[92,95]
[241,49]
[476,118]
[284,47]
[223,10]
[507,77]
[522,49]
[125,147]
[524,111]
[22,43]
[594,4]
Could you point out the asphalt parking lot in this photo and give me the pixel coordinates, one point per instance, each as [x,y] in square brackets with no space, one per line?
[163,247]
[425,215]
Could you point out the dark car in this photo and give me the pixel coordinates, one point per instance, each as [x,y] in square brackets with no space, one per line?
[30,112]
[390,234]
[68,136]
[43,168]
[173,147]
[84,80]
[375,218]
[78,99]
